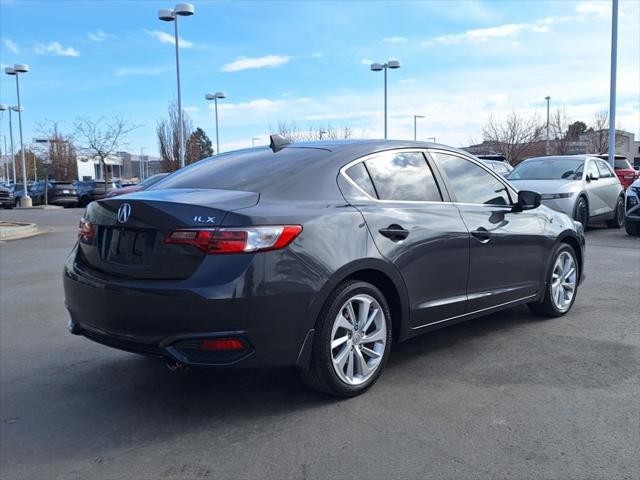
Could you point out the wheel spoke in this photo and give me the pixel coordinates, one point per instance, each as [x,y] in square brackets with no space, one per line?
[363,312]
[339,341]
[369,352]
[372,317]
[571,271]
[342,358]
[363,368]
[352,314]
[344,323]
[375,336]
[350,365]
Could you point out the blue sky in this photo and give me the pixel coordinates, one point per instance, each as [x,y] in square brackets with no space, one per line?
[307,62]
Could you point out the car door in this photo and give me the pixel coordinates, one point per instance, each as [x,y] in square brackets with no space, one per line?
[597,190]
[508,252]
[415,226]
[610,184]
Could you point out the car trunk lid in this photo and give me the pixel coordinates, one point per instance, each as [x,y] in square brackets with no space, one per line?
[129,230]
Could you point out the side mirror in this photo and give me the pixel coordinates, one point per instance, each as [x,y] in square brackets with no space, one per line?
[527,200]
[593,176]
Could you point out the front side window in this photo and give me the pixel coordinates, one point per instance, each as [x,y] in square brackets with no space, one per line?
[403,176]
[470,182]
[592,169]
[605,169]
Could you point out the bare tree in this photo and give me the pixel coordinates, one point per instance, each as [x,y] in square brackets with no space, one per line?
[559,127]
[599,133]
[314,132]
[102,138]
[60,152]
[168,131]
[517,138]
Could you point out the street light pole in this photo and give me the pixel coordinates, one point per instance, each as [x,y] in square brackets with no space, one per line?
[17,69]
[415,126]
[253,141]
[547,98]
[376,67]
[612,87]
[13,155]
[215,97]
[181,9]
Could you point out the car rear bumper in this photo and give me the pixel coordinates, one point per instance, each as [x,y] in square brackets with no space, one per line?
[169,319]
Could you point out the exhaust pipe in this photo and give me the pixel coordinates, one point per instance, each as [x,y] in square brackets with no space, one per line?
[175,366]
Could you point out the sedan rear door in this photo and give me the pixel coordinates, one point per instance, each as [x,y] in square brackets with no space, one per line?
[417,228]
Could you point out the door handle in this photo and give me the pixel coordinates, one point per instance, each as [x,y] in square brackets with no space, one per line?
[394,232]
[482,234]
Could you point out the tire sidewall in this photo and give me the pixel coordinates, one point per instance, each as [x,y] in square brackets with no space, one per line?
[562,247]
[322,340]
[582,199]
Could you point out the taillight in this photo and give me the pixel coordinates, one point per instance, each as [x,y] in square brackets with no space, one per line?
[236,239]
[85,230]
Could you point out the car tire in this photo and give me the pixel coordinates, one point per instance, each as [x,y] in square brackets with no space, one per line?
[581,212]
[632,228]
[618,220]
[343,371]
[558,283]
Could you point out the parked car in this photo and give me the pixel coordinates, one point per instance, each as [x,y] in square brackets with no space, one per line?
[6,198]
[90,190]
[632,209]
[63,194]
[17,189]
[316,255]
[501,167]
[584,187]
[625,172]
[146,183]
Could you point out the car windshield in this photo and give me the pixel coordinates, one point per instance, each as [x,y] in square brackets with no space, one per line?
[548,169]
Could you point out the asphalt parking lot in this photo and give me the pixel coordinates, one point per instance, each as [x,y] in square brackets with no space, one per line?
[505,396]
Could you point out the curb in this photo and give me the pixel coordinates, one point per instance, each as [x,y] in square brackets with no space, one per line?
[14,230]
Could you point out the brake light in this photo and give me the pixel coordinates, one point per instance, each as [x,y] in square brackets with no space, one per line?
[85,230]
[236,239]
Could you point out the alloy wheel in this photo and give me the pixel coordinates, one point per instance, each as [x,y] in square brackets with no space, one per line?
[358,339]
[563,281]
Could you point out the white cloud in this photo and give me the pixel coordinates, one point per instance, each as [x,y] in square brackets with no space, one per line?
[366,61]
[600,9]
[54,48]
[407,81]
[246,63]
[100,36]
[11,45]
[395,40]
[164,37]
[141,71]
[317,55]
[499,32]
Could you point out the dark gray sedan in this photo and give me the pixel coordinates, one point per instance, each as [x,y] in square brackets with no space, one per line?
[315,255]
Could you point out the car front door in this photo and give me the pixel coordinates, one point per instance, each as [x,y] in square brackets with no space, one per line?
[610,184]
[596,190]
[415,226]
[508,251]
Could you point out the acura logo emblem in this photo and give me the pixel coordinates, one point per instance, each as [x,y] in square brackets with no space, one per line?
[123,213]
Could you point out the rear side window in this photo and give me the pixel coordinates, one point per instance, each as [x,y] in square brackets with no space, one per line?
[471,183]
[358,173]
[623,163]
[404,177]
[605,169]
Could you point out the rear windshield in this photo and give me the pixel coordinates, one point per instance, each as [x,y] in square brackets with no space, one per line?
[253,170]
[623,164]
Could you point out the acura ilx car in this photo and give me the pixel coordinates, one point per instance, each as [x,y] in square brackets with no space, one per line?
[315,255]
[584,187]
